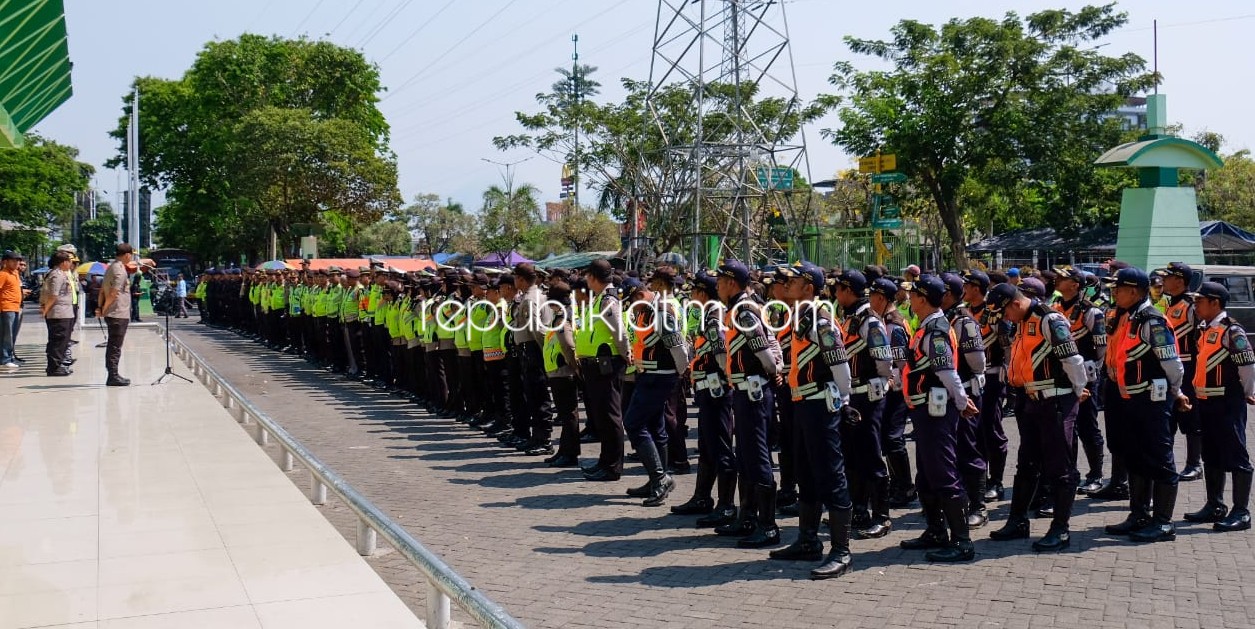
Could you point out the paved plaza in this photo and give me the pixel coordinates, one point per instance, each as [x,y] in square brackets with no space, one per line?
[558,551]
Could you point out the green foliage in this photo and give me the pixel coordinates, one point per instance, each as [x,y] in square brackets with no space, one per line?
[580,230]
[508,218]
[99,235]
[384,238]
[439,227]
[1228,192]
[38,182]
[261,133]
[1018,105]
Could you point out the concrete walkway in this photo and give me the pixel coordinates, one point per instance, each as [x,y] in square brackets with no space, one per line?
[149,506]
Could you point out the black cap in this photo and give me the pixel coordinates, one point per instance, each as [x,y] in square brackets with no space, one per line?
[630,286]
[13,255]
[853,280]
[977,277]
[1214,290]
[736,271]
[1033,287]
[1132,276]
[707,282]
[999,296]
[884,286]
[1075,275]
[930,287]
[807,270]
[954,284]
[1178,269]
[668,275]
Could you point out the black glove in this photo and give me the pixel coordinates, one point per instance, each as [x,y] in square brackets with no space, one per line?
[850,415]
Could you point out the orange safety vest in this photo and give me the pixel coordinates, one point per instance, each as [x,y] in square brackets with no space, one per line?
[915,381]
[1178,316]
[738,368]
[1130,359]
[1030,367]
[1215,374]
[804,381]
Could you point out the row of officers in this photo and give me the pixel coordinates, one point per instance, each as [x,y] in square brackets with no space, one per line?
[830,367]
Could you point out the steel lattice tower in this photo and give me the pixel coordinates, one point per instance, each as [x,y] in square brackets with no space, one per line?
[741,48]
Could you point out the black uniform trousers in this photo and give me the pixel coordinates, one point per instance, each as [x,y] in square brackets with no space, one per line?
[991,437]
[821,462]
[936,457]
[753,453]
[453,399]
[893,424]
[603,401]
[1047,434]
[714,431]
[566,405]
[644,419]
[1087,430]
[863,455]
[1224,432]
[437,391]
[788,458]
[969,453]
[536,392]
[466,382]
[675,423]
[520,418]
[1150,438]
[59,331]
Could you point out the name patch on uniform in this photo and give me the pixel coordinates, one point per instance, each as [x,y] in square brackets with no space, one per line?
[1031,328]
[1214,336]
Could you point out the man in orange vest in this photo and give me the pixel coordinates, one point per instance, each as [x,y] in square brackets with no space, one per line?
[936,399]
[1146,372]
[1044,363]
[1224,383]
[1089,332]
[820,385]
[1181,317]
[971,367]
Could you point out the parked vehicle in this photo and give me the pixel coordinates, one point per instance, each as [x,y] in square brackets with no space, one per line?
[1240,280]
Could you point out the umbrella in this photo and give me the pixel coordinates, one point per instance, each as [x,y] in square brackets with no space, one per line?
[90,268]
[672,257]
[275,265]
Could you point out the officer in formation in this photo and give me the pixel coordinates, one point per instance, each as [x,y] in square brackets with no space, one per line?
[505,354]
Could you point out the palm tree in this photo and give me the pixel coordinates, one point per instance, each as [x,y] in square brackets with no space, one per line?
[507,217]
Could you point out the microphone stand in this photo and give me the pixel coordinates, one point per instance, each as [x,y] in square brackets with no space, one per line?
[169,371]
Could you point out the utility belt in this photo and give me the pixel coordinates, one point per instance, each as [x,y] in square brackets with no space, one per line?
[976,385]
[1206,393]
[600,365]
[1156,388]
[753,386]
[936,398]
[710,382]
[1046,394]
[826,391]
[874,388]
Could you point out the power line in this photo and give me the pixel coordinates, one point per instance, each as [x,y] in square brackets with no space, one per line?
[417,30]
[311,13]
[346,17]
[450,50]
[1231,18]
[383,24]
[365,21]
[263,11]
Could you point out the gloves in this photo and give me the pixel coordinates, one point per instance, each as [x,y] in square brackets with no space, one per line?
[850,415]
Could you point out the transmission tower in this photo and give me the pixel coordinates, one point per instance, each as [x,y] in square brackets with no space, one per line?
[731,175]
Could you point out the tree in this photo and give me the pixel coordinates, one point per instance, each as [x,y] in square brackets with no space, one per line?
[1019,105]
[99,236]
[438,227]
[384,237]
[508,217]
[1228,192]
[584,229]
[38,182]
[261,133]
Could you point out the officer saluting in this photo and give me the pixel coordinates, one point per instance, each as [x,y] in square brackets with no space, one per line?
[1044,363]
[1143,366]
[1224,383]
[935,396]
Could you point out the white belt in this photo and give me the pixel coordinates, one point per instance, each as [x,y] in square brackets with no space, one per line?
[975,386]
[660,372]
[861,389]
[1046,394]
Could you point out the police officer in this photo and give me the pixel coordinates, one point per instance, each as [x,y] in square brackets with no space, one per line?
[1224,383]
[602,348]
[1143,365]
[1046,365]
[995,337]
[779,321]
[1089,332]
[971,368]
[820,383]
[936,399]
[716,463]
[752,361]
[871,367]
[1180,314]
[893,419]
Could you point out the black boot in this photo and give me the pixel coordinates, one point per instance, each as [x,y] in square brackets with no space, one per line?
[724,513]
[766,533]
[746,515]
[1193,458]
[960,547]
[1118,487]
[934,536]
[1059,536]
[1093,480]
[1160,529]
[660,483]
[977,516]
[903,493]
[807,547]
[1214,510]
[700,503]
[993,485]
[881,523]
[1016,526]
[1240,517]
[1045,503]
[860,518]
[1139,507]
[838,560]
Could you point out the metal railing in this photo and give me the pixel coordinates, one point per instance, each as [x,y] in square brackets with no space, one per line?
[443,584]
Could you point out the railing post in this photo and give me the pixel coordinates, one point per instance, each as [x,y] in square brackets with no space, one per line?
[437,608]
[263,437]
[288,461]
[318,491]
[365,539]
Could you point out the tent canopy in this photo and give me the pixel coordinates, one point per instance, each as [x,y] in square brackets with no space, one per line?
[496,259]
[1217,236]
[35,58]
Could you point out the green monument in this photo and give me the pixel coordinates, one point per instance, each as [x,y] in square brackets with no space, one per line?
[1158,218]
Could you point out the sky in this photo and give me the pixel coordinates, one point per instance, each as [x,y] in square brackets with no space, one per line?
[457,71]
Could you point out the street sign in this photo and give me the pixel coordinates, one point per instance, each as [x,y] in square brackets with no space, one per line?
[889,178]
[778,178]
[890,211]
[878,163]
[892,223]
